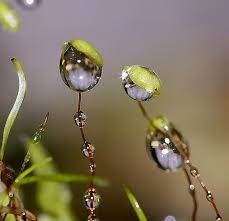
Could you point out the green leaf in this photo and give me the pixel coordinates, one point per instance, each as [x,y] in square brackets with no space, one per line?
[32,168]
[135,205]
[66,178]
[16,107]
[8,17]
[53,198]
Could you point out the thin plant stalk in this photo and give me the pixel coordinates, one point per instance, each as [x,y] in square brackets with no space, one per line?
[192,169]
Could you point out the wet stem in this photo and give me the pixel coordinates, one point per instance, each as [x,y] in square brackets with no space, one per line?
[187,167]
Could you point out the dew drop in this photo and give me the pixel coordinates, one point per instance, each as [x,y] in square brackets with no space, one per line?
[11,194]
[163,151]
[23,216]
[80,119]
[88,149]
[137,85]
[36,137]
[92,217]
[92,167]
[170,218]
[209,196]
[194,172]
[29,4]
[78,71]
[91,199]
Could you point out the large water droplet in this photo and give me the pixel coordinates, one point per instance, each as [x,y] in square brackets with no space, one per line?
[29,4]
[78,71]
[91,199]
[163,151]
[88,149]
[80,119]
[170,218]
[138,87]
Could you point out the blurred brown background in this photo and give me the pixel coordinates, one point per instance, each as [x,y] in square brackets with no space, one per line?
[185,42]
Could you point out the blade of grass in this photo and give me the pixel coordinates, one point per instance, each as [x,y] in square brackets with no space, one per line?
[16,107]
[31,169]
[66,178]
[134,203]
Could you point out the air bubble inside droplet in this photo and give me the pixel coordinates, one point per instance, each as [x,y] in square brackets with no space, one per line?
[78,71]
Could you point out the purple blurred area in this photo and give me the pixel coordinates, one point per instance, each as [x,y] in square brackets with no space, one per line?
[185,42]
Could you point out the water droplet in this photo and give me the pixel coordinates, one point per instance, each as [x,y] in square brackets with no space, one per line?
[78,70]
[91,199]
[194,172]
[219,218]
[92,167]
[92,217]
[140,83]
[29,4]
[209,196]
[11,194]
[170,218]
[80,119]
[88,149]
[163,151]
[36,137]
[23,215]
[191,188]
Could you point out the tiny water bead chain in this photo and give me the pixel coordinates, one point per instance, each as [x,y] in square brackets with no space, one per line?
[91,197]
[81,69]
[189,168]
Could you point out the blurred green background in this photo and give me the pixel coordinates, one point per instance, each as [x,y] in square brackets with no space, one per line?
[185,42]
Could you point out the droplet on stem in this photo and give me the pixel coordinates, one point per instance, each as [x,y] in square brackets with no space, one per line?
[29,4]
[80,119]
[140,83]
[91,199]
[80,65]
[88,149]
[36,137]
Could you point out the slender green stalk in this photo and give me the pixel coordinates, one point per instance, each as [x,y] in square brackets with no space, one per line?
[139,212]
[60,177]
[31,169]
[16,107]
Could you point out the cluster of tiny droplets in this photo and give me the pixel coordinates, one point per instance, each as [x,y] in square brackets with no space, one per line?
[91,197]
[195,173]
[81,69]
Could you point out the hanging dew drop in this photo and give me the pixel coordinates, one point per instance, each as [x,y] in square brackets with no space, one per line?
[92,217]
[140,83]
[29,4]
[162,150]
[170,218]
[80,65]
[91,199]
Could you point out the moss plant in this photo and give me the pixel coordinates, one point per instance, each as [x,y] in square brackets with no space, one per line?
[55,203]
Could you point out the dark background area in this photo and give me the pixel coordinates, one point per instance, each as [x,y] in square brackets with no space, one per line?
[185,42]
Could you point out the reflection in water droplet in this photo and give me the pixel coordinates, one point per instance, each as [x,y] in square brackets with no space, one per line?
[78,71]
[36,137]
[80,119]
[91,199]
[163,151]
[133,90]
[88,149]
[170,218]
[29,4]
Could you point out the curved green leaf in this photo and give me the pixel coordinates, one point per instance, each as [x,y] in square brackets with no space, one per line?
[8,17]
[133,201]
[16,107]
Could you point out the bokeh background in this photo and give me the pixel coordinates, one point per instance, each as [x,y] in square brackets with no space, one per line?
[185,42]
